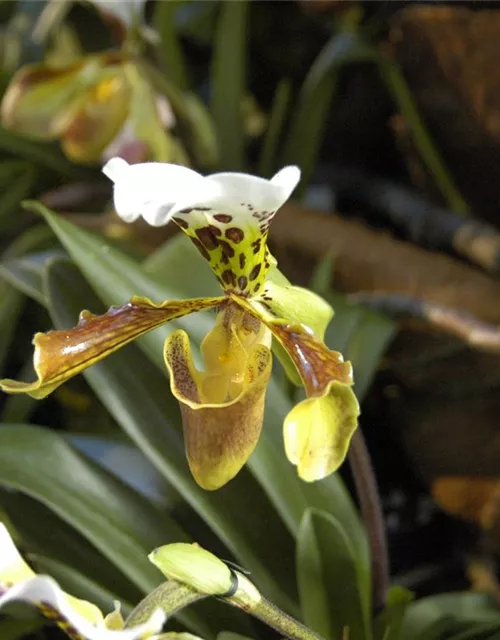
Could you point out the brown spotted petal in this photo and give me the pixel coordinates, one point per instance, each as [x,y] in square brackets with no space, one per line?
[226,215]
[59,355]
[317,431]
[223,406]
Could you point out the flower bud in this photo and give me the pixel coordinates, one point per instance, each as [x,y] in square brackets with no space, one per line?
[193,566]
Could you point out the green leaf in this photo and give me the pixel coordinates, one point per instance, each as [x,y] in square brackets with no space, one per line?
[388,624]
[430,617]
[279,109]
[395,81]
[148,413]
[228,80]
[169,47]
[115,277]
[11,304]
[25,274]
[42,154]
[20,180]
[308,124]
[113,517]
[366,346]
[17,629]
[61,542]
[227,635]
[328,579]
[179,261]
[322,278]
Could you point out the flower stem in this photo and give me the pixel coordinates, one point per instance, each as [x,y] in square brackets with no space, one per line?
[171,596]
[396,83]
[282,622]
[371,511]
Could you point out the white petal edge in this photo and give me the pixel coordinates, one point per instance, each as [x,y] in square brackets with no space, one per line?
[157,191]
[126,10]
[154,189]
[43,589]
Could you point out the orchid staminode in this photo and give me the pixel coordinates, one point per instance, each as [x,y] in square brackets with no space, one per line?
[227,217]
[79,619]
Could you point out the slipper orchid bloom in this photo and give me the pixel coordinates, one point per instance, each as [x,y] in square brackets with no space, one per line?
[79,619]
[227,216]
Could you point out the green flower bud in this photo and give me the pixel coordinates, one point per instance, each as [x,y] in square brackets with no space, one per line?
[193,566]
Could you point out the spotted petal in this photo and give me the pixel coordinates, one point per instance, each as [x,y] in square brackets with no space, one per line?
[223,406]
[227,215]
[59,355]
[318,430]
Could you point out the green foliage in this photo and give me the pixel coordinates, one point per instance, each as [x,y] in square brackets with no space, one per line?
[304,544]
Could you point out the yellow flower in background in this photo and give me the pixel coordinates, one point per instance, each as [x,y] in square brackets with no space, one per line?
[227,216]
[79,619]
[88,105]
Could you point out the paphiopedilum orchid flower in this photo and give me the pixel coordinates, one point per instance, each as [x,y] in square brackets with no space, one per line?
[90,104]
[81,620]
[227,216]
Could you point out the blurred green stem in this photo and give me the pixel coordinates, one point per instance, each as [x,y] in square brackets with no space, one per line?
[169,47]
[279,109]
[171,596]
[282,622]
[396,83]
[373,518]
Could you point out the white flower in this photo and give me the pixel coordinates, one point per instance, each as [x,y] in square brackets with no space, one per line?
[124,10]
[158,191]
[19,583]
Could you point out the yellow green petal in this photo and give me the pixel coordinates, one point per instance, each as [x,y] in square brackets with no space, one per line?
[39,96]
[297,306]
[223,406]
[35,97]
[316,364]
[94,119]
[59,355]
[318,430]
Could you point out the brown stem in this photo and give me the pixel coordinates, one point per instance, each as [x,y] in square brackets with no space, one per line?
[371,511]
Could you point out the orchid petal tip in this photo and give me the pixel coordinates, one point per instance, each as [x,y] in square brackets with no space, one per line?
[114,167]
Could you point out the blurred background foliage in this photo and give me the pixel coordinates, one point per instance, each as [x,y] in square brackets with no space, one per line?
[391,109]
